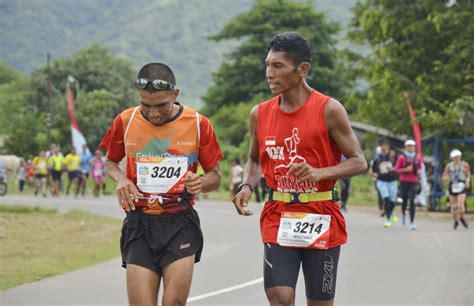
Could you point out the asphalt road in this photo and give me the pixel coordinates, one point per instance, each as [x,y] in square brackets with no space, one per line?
[430,266]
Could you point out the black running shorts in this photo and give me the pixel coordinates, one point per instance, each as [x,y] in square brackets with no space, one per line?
[282,266]
[74,174]
[56,175]
[154,241]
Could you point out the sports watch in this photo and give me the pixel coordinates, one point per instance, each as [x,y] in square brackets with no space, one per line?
[239,188]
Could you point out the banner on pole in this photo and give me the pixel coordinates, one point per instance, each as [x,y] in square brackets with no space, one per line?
[78,140]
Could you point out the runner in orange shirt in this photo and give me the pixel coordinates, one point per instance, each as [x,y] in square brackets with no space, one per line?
[163,142]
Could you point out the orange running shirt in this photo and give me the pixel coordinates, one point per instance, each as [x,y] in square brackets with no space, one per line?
[189,135]
[295,137]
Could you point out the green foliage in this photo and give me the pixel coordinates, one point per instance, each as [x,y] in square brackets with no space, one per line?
[421,47]
[242,75]
[103,88]
[142,31]
[173,32]
[232,123]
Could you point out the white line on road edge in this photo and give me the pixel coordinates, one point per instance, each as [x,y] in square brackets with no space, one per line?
[225,290]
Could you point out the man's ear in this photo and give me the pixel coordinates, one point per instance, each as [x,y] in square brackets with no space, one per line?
[303,68]
[176,92]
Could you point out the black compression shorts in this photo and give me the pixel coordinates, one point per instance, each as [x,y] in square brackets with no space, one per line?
[282,266]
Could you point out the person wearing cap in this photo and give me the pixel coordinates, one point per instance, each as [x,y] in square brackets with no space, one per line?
[386,179]
[458,174]
[163,143]
[408,166]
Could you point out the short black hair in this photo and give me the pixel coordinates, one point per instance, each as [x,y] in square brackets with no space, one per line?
[156,71]
[384,140]
[295,46]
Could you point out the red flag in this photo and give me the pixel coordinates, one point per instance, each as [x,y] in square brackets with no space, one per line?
[416,126]
[78,139]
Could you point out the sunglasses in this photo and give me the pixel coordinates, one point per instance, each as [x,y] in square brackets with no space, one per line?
[156,84]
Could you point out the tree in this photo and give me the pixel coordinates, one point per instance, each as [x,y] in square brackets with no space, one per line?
[104,87]
[422,47]
[242,75]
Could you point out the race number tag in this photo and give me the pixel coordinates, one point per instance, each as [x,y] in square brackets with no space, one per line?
[457,187]
[304,230]
[98,172]
[160,174]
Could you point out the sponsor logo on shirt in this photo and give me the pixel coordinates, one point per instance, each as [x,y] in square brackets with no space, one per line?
[185,246]
[185,143]
[274,152]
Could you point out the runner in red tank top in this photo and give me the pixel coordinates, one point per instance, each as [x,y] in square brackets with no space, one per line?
[296,141]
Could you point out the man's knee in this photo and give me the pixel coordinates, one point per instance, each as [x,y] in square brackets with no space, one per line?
[280,296]
[176,300]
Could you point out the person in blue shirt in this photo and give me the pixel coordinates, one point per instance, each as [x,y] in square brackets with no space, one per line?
[86,156]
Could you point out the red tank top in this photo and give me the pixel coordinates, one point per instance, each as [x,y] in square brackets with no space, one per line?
[295,137]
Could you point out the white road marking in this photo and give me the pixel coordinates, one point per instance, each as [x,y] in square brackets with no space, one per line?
[225,290]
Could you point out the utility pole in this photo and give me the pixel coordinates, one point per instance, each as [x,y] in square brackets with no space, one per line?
[49,115]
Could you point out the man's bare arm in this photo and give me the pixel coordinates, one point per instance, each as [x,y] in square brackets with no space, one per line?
[252,171]
[127,192]
[340,131]
[210,181]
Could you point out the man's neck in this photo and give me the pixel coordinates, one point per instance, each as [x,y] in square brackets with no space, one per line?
[294,98]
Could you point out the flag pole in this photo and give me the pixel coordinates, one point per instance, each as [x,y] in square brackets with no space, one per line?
[49,114]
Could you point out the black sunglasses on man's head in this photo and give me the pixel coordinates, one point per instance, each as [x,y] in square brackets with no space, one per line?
[141,83]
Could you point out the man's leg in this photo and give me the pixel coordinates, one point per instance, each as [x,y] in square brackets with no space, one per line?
[43,186]
[383,189]
[71,179]
[411,196]
[379,200]
[320,275]
[453,204]
[404,194]
[461,205]
[177,278]
[257,194]
[78,183]
[345,183]
[142,286]
[281,268]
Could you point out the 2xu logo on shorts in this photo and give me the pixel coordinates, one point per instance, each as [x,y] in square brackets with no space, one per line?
[327,278]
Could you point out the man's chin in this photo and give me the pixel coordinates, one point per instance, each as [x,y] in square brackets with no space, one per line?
[275,91]
[157,122]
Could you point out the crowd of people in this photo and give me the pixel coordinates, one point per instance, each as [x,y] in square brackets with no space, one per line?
[398,178]
[45,172]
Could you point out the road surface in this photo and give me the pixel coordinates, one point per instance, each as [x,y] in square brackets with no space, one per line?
[430,266]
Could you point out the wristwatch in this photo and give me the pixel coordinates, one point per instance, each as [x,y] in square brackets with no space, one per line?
[239,188]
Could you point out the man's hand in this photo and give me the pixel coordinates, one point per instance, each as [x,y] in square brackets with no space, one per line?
[305,172]
[241,200]
[409,168]
[127,193]
[193,183]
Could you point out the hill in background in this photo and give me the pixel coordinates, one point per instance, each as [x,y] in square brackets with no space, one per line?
[170,31]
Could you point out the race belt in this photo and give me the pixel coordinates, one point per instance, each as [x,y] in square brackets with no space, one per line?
[303,197]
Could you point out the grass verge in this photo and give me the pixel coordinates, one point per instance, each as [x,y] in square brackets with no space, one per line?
[38,243]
